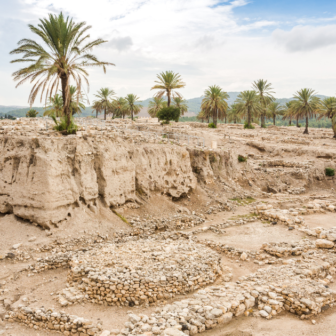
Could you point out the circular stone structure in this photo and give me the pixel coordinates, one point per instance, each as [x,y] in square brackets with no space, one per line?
[143,272]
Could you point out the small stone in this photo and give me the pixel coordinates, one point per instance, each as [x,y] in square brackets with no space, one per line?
[16,246]
[263,313]
[243,256]
[31,239]
[323,243]
[105,333]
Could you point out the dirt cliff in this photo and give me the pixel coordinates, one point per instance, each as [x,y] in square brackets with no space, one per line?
[42,179]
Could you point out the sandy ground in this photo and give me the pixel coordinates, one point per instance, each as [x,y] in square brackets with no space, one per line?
[38,289]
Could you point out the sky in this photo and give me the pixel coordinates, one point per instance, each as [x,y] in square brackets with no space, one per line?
[229,43]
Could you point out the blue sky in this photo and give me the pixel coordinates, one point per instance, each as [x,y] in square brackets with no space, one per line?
[230,43]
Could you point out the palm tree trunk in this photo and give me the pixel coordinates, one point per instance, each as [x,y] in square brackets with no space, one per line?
[249,117]
[297,121]
[333,125]
[132,114]
[168,95]
[274,119]
[306,129]
[225,120]
[214,116]
[65,96]
[96,113]
[290,121]
[105,114]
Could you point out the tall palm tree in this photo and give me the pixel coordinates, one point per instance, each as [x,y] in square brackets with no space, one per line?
[274,109]
[167,83]
[96,107]
[288,112]
[66,57]
[104,96]
[306,105]
[131,100]
[56,106]
[181,104]
[264,90]
[155,106]
[249,104]
[327,108]
[215,101]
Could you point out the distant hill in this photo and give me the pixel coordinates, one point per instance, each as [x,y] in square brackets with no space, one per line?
[194,107]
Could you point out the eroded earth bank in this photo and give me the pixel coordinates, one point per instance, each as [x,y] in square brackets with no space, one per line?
[137,229]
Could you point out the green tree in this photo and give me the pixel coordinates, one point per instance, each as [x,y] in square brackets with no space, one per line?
[306,105]
[120,108]
[104,96]
[66,57]
[155,106]
[56,106]
[234,115]
[288,112]
[264,90]
[169,113]
[248,103]
[76,101]
[131,100]
[167,83]
[201,116]
[274,109]
[181,104]
[215,101]
[96,107]
[32,113]
[327,108]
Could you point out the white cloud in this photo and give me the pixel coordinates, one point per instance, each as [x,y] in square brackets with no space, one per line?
[203,40]
[306,38]
[120,43]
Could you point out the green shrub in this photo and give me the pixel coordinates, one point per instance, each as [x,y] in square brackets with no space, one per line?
[263,126]
[169,113]
[61,126]
[32,113]
[246,125]
[211,125]
[330,172]
[242,158]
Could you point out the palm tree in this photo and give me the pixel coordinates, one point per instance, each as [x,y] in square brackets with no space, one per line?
[120,107]
[67,55]
[156,105]
[306,105]
[167,83]
[288,112]
[96,107]
[234,113]
[104,95]
[215,101]
[327,108]
[274,109]
[248,102]
[76,101]
[56,106]
[131,100]
[201,116]
[264,90]
[181,104]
